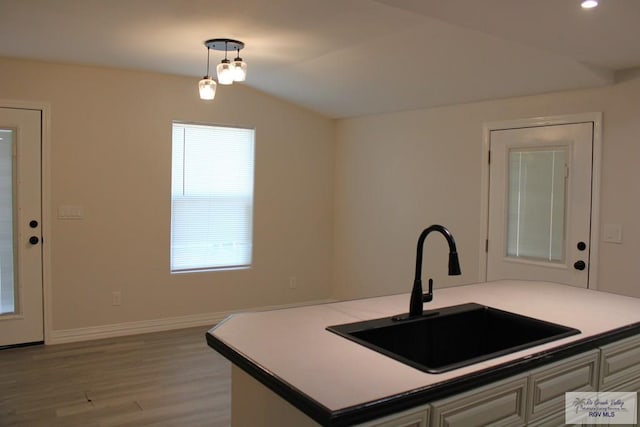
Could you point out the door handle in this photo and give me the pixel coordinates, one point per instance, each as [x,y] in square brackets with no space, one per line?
[580,265]
[34,240]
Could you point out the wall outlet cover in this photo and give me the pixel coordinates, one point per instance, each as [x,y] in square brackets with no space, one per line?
[612,233]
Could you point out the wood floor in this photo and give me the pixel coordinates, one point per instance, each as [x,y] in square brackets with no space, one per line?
[162,379]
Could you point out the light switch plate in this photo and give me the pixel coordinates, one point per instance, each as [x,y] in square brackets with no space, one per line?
[70,212]
[612,233]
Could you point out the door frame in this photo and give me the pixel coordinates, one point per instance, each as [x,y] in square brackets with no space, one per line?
[596,119]
[45,185]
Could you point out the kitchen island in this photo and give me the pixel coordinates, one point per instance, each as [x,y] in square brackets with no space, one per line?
[289,370]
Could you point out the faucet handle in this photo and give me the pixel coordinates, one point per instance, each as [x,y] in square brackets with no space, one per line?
[429,295]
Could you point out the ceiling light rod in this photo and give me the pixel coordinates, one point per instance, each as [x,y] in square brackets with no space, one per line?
[208,61]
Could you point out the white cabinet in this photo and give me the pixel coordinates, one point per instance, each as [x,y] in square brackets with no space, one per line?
[620,368]
[416,417]
[620,363]
[632,385]
[534,398]
[554,420]
[538,397]
[499,404]
[548,384]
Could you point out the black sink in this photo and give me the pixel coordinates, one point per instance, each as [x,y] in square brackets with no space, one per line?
[452,337]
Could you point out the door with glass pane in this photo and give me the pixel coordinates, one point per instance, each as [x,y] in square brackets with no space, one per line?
[540,203]
[21,297]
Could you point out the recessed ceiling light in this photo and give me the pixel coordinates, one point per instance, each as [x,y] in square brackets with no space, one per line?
[589,4]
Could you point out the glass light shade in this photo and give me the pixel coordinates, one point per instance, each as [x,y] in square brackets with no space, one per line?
[239,70]
[207,88]
[589,4]
[225,72]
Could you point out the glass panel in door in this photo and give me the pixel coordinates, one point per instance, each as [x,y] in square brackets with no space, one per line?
[8,294]
[536,204]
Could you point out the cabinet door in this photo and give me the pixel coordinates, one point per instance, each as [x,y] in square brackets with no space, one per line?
[554,420]
[548,385]
[620,363]
[500,404]
[630,386]
[413,418]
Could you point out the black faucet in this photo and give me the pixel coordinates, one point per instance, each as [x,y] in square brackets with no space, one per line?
[417,297]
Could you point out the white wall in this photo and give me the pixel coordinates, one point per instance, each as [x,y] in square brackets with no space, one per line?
[398,173]
[352,209]
[111,154]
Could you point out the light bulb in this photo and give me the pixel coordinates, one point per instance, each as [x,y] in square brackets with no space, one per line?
[225,73]
[239,70]
[207,88]
[589,4]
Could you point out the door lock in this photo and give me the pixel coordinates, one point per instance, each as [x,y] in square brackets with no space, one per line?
[34,240]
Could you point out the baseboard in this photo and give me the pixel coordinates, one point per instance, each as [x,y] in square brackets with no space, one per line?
[63,336]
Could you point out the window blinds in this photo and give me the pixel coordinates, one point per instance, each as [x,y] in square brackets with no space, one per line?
[211,197]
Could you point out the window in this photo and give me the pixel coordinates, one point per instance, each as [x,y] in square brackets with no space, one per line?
[211,197]
[536,209]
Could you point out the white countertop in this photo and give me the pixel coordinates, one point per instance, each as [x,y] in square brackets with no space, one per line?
[293,345]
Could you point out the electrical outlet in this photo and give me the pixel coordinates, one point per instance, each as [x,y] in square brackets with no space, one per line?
[116,298]
[293,282]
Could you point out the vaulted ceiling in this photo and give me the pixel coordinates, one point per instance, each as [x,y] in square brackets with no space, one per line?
[345,58]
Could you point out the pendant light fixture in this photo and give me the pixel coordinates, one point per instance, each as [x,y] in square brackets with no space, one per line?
[207,85]
[227,71]
[225,74]
[239,68]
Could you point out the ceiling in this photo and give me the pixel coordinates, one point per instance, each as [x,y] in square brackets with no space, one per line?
[345,58]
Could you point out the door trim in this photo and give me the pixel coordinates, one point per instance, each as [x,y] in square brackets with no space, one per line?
[594,235]
[45,185]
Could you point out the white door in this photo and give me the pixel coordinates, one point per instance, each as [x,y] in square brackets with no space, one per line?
[540,183]
[21,296]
